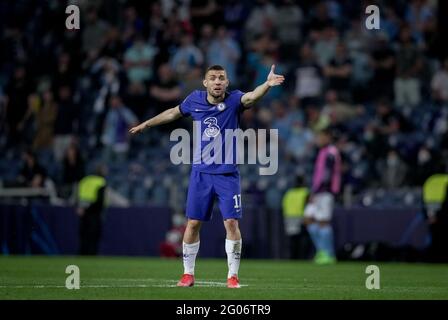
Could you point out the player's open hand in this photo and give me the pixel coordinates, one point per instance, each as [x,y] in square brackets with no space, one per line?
[274,79]
[137,129]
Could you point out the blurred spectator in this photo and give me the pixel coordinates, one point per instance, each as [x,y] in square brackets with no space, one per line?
[444,152]
[439,84]
[156,21]
[390,23]
[187,57]
[409,63]
[316,120]
[300,140]
[325,45]
[27,126]
[308,81]
[224,51]
[293,111]
[106,72]
[288,22]
[357,38]
[105,75]
[206,38]
[93,36]
[418,15]
[260,20]
[204,11]
[138,63]
[169,39]
[179,7]
[45,122]
[73,169]
[66,123]
[392,170]
[15,45]
[383,63]
[357,41]
[3,136]
[192,81]
[438,225]
[425,166]
[113,47]
[433,46]
[91,195]
[293,204]
[391,121]
[32,174]
[64,73]
[374,142]
[264,44]
[172,246]
[235,15]
[264,117]
[71,43]
[165,91]
[339,71]
[131,25]
[249,119]
[16,95]
[281,120]
[339,112]
[319,19]
[115,134]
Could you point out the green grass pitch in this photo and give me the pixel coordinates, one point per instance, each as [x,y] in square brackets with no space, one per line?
[39,277]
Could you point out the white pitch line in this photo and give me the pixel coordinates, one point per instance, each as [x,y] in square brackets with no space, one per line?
[154,279]
[160,285]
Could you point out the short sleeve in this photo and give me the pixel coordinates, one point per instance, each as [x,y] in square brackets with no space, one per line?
[185,106]
[238,96]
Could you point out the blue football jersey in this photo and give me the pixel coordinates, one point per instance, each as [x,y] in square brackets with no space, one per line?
[211,152]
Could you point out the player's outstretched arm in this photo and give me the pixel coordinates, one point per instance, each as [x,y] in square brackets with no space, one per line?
[162,118]
[273,79]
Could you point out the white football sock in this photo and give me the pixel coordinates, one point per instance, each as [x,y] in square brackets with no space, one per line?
[233,250]
[189,255]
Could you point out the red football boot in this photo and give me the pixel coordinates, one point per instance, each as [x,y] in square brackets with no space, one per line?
[187,280]
[233,282]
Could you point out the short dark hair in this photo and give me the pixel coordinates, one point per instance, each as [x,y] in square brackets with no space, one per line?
[216,67]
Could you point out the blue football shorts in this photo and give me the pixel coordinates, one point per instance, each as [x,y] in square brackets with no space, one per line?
[203,189]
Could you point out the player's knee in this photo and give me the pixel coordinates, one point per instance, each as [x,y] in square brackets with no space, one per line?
[195,225]
[231,225]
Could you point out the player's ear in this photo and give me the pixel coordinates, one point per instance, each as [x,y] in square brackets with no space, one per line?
[204,82]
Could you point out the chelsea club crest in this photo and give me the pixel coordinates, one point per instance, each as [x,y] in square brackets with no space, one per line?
[221,106]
